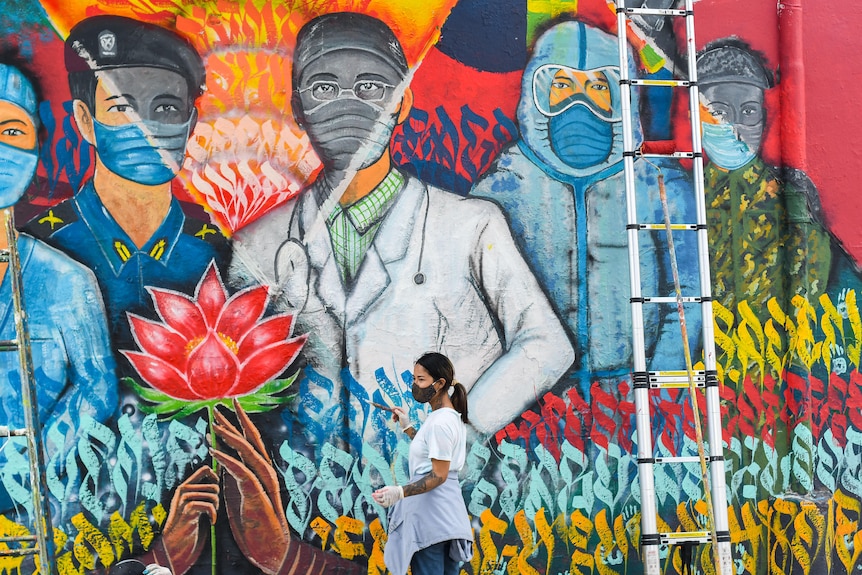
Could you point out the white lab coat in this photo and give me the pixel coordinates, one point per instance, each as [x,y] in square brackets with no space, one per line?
[479,304]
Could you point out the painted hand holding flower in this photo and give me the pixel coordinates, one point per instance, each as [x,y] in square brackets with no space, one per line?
[210,350]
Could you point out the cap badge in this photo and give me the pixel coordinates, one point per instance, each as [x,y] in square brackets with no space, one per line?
[107,44]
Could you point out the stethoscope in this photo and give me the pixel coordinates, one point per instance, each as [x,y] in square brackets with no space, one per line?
[291,261]
[419,277]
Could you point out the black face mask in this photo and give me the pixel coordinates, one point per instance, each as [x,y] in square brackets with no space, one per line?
[423,394]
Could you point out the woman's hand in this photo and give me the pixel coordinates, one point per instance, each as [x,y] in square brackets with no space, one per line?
[389,495]
[399,414]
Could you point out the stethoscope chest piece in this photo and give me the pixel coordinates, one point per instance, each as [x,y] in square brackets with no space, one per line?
[419,278]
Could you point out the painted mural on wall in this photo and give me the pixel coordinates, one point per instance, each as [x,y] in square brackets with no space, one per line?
[249,218]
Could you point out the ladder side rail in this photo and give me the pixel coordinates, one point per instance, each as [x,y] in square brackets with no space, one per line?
[646,479]
[718,486]
[36,457]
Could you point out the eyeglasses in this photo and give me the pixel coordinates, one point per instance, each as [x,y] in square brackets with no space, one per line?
[365,90]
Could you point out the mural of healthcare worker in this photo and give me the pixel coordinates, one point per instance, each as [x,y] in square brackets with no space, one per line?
[562,187]
[134,87]
[777,229]
[380,266]
[73,364]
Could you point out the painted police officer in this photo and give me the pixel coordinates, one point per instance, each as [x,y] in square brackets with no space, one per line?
[134,87]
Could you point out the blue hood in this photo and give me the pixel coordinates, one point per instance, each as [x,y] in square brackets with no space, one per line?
[579,46]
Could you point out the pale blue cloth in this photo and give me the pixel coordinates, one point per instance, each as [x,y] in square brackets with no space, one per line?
[73,364]
[419,521]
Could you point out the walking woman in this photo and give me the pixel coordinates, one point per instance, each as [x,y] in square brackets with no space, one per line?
[429,529]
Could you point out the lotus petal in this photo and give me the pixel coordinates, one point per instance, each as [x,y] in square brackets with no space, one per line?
[271,330]
[266,364]
[162,376]
[241,312]
[159,341]
[211,295]
[212,368]
[179,312]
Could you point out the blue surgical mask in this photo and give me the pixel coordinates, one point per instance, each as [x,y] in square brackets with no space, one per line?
[724,148]
[580,138]
[17,168]
[146,152]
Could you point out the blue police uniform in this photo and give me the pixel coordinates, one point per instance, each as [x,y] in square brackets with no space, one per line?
[175,257]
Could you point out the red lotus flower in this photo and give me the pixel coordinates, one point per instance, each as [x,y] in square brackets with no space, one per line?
[211,347]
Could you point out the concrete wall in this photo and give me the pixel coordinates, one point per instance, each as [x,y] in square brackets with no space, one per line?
[235,421]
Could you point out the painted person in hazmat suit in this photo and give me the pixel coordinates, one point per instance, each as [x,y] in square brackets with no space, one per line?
[562,187]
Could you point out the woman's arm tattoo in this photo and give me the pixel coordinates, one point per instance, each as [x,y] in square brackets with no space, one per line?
[424,484]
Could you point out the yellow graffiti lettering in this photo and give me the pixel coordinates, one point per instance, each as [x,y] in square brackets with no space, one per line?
[606,545]
[525,532]
[723,321]
[546,534]
[750,339]
[809,528]
[341,542]
[806,349]
[89,537]
[122,534]
[376,566]
[322,528]
[490,554]
[848,538]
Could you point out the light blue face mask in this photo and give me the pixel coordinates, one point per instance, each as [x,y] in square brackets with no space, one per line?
[580,138]
[146,152]
[17,168]
[724,148]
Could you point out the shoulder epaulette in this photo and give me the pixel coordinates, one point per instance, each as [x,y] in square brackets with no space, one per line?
[52,220]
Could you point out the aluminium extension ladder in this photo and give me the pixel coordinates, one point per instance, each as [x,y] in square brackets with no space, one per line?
[41,544]
[645,382]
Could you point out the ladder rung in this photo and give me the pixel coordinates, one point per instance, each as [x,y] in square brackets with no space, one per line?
[19,552]
[664,226]
[678,459]
[675,379]
[8,345]
[680,537]
[688,155]
[672,299]
[19,539]
[6,431]
[665,83]
[656,11]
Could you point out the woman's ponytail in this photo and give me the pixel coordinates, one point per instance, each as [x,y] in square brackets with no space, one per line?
[459,400]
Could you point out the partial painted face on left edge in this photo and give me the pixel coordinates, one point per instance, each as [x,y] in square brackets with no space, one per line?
[16,126]
[740,105]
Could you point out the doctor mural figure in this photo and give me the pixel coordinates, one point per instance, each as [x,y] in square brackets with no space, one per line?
[365,247]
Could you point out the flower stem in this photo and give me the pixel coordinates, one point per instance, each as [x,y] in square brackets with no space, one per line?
[211,417]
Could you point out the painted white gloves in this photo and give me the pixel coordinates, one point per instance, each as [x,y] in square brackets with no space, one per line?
[389,495]
[153,569]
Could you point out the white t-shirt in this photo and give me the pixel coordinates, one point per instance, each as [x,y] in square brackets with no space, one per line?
[443,436]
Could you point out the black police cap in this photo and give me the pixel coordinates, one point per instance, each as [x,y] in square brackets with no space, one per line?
[108,42]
